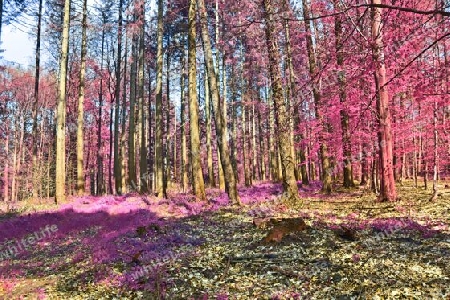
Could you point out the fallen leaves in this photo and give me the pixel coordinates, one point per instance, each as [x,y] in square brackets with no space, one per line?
[353,247]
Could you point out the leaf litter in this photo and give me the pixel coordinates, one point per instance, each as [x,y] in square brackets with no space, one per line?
[177,248]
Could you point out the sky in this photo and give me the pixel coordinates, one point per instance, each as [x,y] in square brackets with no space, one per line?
[18,46]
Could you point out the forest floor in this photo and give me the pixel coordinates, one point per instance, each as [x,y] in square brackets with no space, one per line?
[140,247]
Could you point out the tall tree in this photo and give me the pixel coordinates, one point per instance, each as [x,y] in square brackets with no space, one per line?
[220,121]
[387,182]
[197,173]
[61,110]
[212,181]
[159,159]
[184,158]
[141,67]
[323,147]
[36,100]
[132,176]
[117,155]
[80,121]
[281,114]
[100,183]
[345,119]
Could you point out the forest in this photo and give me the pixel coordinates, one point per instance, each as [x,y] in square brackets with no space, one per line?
[214,149]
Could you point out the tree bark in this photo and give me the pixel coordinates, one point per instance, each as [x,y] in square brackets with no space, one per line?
[143,149]
[281,117]
[184,158]
[61,110]
[323,147]
[80,184]
[117,155]
[387,187]
[6,171]
[220,120]
[345,119]
[100,183]
[290,87]
[212,181]
[159,160]
[197,172]
[35,167]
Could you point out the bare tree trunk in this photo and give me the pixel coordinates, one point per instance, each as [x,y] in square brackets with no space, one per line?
[325,163]
[346,142]
[184,158]
[80,123]
[6,171]
[166,146]
[256,170]
[387,189]
[123,135]
[212,181]
[262,148]
[292,105]
[274,176]
[118,157]
[217,69]
[100,184]
[159,162]
[281,117]
[143,151]
[61,110]
[364,165]
[436,155]
[247,177]
[197,172]
[35,167]
[220,120]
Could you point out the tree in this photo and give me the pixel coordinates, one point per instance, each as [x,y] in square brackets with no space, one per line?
[61,110]
[143,147]
[117,155]
[220,122]
[281,117]
[387,186]
[346,142]
[80,124]
[318,102]
[197,172]
[36,100]
[159,159]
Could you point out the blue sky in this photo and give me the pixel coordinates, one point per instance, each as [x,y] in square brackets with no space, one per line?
[17,45]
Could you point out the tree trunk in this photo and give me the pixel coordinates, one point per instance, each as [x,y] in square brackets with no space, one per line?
[292,105]
[323,147]
[435,155]
[80,122]
[166,147]
[212,181]
[123,135]
[387,187]
[100,184]
[217,69]
[117,155]
[143,151]
[61,110]
[184,158]
[281,117]
[197,172]
[35,171]
[220,120]
[159,162]
[132,178]
[346,142]
[6,171]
